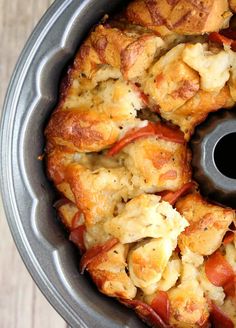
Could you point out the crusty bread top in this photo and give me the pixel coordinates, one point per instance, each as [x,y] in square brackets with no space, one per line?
[180,16]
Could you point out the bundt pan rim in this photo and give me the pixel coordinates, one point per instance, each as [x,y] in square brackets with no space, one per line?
[27,195]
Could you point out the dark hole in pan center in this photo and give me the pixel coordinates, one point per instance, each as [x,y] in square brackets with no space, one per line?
[224,156]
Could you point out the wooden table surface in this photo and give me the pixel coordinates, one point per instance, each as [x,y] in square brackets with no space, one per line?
[21,303]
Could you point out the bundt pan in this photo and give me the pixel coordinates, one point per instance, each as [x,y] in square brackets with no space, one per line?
[27,195]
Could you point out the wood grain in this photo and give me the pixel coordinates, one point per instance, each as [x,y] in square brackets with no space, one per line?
[21,303]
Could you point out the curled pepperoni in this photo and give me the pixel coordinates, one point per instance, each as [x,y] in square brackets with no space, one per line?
[146,313]
[93,252]
[152,129]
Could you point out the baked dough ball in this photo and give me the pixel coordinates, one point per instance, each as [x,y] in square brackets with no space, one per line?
[213,68]
[92,120]
[81,130]
[183,17]
[109,274]
[147,262]
[232,4]
[132,53]
[208,224]
[97,192]
[116,99]
[68,212]
[146,216]
[170,81]
[196,109]
[214,293]
[189,82]
[188,306]
[169,278]
[157,165]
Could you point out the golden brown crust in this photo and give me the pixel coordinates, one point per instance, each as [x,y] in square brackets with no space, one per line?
[188,307]
[138,56]
[108,272]
[68,213]
[232,4]
[109,43]
[208,224]
[196,109]
[180,16]
[130,52]
[56,162]
[158,165]
[78,130]
[171,82]
[98,192]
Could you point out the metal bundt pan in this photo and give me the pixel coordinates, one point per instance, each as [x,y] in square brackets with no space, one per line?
[214,160]
[28,197]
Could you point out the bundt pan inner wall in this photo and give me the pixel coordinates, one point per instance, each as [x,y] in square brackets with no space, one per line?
[27,195]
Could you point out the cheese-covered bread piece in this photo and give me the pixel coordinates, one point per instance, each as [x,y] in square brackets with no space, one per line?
[232,4]
[98,192]
[92,120]
[69,213]
[108,271]
[196,109]
[146,216]
[170,81]
[170,274]
[147,262]
[116,99]
[78,130]
[189,82]
[212,292]
[131,53]
[157,164]
[230,255]
[207,224]
[188,306]
[183,17]
[213,68]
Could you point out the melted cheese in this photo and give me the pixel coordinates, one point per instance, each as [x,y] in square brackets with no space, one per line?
[170,81]
[114,98]
[147,262]
[213,292]
[213,68]
[188,305]
[192,258]
[170,275]
[230,255]
[145,216]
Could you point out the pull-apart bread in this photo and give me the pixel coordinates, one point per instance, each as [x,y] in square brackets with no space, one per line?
[117,152]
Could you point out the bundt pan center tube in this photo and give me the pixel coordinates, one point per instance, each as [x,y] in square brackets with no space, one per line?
[214,161]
